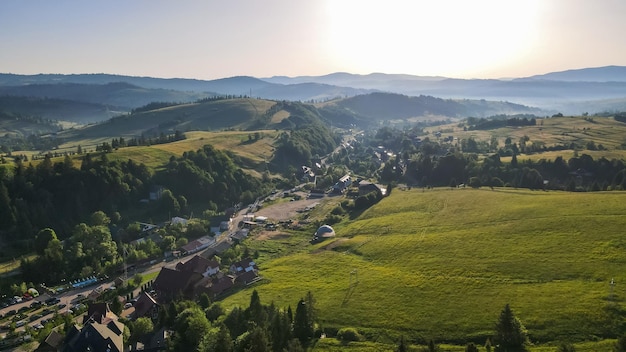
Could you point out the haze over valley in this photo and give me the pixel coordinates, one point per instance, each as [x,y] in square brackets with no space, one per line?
[313,176]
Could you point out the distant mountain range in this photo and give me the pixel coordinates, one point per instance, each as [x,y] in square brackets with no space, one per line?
[570,92]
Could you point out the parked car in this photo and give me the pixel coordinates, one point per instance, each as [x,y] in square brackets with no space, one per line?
[36,304]
[52,301]
[19,316]
[35,317]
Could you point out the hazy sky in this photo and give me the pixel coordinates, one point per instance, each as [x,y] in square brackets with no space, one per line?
[208,39]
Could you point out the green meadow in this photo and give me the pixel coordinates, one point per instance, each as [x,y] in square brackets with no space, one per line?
[442,264]
[553,131]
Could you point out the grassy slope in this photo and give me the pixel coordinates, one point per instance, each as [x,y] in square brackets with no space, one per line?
[213,115]
[252,153]
[442,264]
[562,130]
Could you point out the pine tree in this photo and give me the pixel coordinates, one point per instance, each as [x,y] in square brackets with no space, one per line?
[223,341]
[294,345]
[7,216]
[432,347]
[310,307]
[204,301]
[302,327]
[470,347]
[256,312]
[402,345]
[566,347]
[510,332]
[620,345]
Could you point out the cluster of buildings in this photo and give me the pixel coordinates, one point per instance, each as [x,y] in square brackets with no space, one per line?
[200,275]
[102,331]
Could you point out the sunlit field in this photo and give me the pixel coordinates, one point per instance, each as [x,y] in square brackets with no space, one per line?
[442,264]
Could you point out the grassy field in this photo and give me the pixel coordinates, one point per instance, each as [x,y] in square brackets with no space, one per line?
[551,131]
[252,153]
[443,263]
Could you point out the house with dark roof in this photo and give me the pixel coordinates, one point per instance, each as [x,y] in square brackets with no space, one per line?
[216,250]
[240,235]
[243,266]
[146,306]
[200,265]
[52,343]
[100,313]
[247,278]
[101,331]
[216,286]
[95,337]
[368,187]
[172,283]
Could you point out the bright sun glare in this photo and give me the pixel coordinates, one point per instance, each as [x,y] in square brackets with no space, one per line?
[451,37]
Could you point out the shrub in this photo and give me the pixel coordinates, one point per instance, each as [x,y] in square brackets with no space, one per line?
[474,182]
[332,219]
[349,334]
[338,210]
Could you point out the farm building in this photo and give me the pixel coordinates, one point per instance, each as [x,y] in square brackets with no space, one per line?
[342,184]
[367,187]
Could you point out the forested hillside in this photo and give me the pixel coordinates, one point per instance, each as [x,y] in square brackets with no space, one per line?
[371,109]
[58,195]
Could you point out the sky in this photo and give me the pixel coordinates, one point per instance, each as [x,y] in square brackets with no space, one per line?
[207,39]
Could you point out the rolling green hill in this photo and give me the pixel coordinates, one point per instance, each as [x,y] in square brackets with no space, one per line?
[441,264]
[204,116]
[376,107]
[58,109]
[124,96]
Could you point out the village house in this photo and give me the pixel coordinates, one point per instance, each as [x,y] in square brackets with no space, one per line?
[95,337]
[243,266]
[306,174]
[171,283]
[218,249]
[146,306]
[52,343]
[200,265]
[343,183]
[215,286]
[101,331]
[247,278]
[368,187]
[198,245]
[240,235]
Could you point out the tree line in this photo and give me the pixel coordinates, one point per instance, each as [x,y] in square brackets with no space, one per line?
[500,121]
[438,163]
[203,325]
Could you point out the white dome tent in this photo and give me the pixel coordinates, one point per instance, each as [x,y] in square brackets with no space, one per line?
[323,232]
